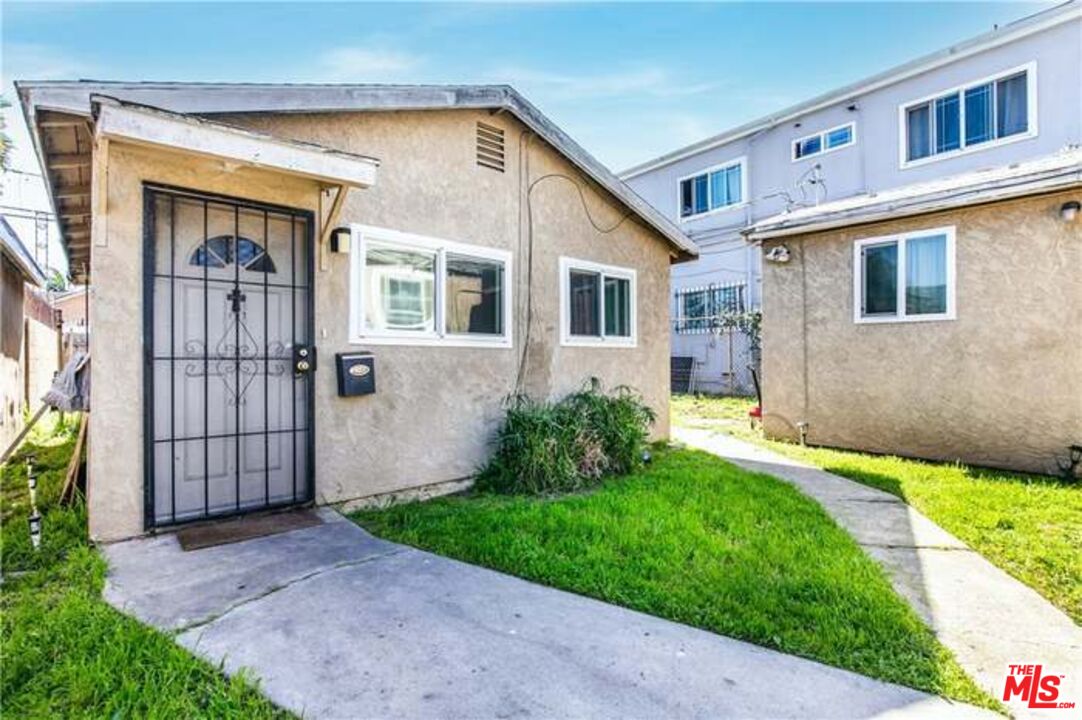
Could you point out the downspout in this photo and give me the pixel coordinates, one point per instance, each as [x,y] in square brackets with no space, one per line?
[802,424]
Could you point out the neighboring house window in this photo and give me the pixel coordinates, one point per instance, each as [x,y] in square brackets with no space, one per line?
[903,278]
[597,304]
[824,142]
[701,309]
[715,188]
[411,289]
[971,117]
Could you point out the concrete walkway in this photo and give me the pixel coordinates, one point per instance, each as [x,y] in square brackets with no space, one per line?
[336,623]
[986,617]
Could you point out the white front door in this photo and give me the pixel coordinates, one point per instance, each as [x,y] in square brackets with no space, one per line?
[231,421]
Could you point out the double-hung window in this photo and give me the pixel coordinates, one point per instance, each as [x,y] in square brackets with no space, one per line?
[970,117]
[824,142]
[715,188]
[904,278]
[597,304]
[411,289]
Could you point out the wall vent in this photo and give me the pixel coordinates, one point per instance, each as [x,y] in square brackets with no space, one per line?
[490,147]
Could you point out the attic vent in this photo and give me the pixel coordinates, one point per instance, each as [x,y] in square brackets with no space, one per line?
[490,147]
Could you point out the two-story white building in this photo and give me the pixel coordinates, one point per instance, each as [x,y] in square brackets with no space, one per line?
[1007,96]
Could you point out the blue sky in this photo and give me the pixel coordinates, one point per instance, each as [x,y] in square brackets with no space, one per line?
[628,81]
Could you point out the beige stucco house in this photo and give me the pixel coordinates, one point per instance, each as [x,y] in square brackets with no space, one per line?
[939,320]
[257,253]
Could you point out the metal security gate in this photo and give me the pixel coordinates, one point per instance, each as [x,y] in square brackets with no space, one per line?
[228,336]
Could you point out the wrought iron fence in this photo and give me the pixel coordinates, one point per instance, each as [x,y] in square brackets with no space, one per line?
[703,309]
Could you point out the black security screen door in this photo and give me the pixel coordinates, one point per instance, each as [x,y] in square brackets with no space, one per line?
[228,322]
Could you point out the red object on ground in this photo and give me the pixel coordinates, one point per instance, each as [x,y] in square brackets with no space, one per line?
[756,412]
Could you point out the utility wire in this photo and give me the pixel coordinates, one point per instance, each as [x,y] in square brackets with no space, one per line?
[600,229]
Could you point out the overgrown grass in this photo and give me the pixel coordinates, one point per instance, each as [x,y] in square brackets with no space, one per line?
[567,445]
[696,540]
[1028,525]
[63,651]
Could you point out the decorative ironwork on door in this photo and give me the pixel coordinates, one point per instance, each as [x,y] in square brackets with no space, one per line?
[228,309]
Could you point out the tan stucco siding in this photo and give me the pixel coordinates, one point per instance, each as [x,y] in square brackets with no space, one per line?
[1000,385]
[12,382]
[41,358]
[435,408]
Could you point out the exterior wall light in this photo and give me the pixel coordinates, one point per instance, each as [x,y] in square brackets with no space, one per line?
[1069,210]
[778,254]
[340,240]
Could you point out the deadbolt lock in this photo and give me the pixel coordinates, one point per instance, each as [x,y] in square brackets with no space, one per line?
[304,359]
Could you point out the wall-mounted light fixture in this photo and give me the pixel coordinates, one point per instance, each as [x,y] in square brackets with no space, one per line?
[1068,211]
[777,254]
[340,240]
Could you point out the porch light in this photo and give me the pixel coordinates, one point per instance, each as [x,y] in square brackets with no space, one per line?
[1069,210]
[340,240]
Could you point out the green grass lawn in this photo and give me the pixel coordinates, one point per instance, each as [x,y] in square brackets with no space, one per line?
[1028,525]
[63,651]
[694,539]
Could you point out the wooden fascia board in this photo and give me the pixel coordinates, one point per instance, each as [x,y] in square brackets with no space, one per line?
[177,132]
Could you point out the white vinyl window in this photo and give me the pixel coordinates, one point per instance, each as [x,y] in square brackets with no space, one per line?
[979,115]
[597,304]
[410,289]
[717,188]
[823,142]
[904,278]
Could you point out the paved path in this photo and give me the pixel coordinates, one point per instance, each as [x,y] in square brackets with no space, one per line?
[986,617]
[336,623]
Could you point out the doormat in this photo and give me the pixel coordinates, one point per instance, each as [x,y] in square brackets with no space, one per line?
[246,528]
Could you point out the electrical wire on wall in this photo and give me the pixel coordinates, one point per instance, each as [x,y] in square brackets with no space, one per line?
[600,229]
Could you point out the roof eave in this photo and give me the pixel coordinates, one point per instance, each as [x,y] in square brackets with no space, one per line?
[73,97]
[774,228]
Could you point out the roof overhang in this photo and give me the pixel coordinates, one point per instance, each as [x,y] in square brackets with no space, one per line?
[12,246]
[153,127]
[1062,171]
[209,99]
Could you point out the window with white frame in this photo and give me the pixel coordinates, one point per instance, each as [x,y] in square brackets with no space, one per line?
[597,304]
[824,142]
[412,289]
[716,188]
[906,277]
[970,117]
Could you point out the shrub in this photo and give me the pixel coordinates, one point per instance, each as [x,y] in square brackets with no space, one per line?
[554,447]
[620,420]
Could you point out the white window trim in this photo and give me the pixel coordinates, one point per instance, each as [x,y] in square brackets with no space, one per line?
[822,135]
[901,239]
[362,235]
[1029,68]
[742,161]
[566,338]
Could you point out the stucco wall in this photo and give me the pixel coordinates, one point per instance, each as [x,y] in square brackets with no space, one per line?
[40,358]
[1001,385]
[12,384]
[436,407]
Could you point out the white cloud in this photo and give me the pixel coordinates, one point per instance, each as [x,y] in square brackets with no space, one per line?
[639,81]
[367,64]
[32,61]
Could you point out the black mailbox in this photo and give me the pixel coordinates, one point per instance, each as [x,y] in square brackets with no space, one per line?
[356,374]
